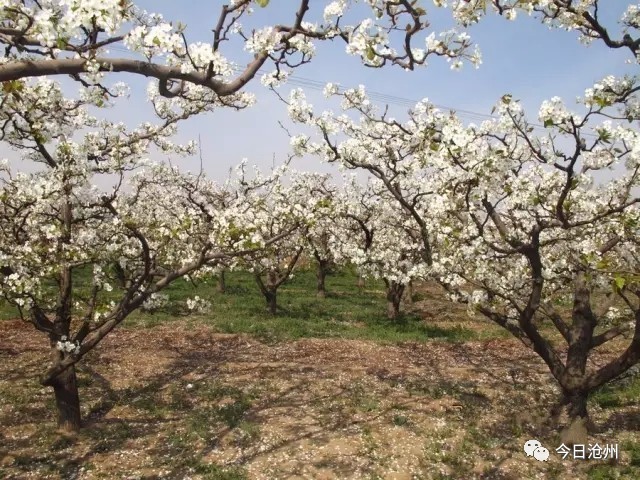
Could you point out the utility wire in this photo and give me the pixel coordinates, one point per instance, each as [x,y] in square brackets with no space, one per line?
[373,94]
[382,97]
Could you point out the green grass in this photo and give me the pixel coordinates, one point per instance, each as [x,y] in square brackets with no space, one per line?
[609,472]
[215,472]
[345,313]
[615,471]
[612,397]
[618,394]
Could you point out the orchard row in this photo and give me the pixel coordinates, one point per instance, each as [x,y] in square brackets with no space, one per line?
[512,222]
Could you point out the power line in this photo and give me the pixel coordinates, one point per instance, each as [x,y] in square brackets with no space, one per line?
[373,94]
[409,103]
[383,97]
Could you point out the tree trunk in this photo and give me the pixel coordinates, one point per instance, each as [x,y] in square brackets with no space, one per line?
[393,310]
[408,297]
[576,432]
[272,304]
[272,291]
[580,339]
[361,283]
[222,285]
[321,275]
[394,297]
[120,275]
[269,290]
[65,389]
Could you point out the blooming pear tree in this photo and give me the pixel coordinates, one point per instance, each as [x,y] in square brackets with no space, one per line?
[539,228]
[396,155]
[379,239]
[320,234]
[152,226]
[265,206]
[397,255]
[585,233]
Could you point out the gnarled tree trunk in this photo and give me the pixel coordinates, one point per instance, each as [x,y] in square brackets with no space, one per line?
[321,275]
[65,389]
[574,381]
[394,297]
[269,291]
[272,301]
[576,432]
[222,285]
[408,294]
[120,275]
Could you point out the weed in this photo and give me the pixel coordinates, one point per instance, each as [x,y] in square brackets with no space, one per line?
[400,420]
[212,471]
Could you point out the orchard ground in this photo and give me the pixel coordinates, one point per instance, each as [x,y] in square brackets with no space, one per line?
[327,389]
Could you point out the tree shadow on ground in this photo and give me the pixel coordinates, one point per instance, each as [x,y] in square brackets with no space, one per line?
[203,396]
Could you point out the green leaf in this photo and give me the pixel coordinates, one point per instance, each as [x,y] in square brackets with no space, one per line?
[61,42]
[371,53]
[548,123]
[262,3]
[630,223]
[13,86]
[619,282]
[604,136]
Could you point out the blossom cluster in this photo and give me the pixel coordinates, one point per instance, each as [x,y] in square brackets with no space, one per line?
[64,345]
[199,305]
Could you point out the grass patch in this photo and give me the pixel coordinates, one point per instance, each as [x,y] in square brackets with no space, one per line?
[618,394]
[345,313]
[400,420]
[211,471]
[612,472]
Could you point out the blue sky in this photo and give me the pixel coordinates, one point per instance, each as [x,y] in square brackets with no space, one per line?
[523,58]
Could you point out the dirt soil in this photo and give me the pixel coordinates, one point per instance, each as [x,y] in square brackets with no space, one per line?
[181,401]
